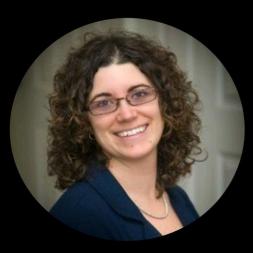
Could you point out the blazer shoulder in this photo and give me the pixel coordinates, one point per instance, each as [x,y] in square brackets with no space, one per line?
[82,208]
[178,191]
[76,200]
[183,204]
[179,195]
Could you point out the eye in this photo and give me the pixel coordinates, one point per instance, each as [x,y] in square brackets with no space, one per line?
[140,94]
[103,103]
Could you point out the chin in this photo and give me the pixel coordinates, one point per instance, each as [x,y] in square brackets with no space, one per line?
[137,154]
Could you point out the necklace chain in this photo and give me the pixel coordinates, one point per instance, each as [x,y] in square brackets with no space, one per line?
[158,217]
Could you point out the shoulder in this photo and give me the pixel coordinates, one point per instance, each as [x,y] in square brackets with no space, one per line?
[177,192]
[79,198]
[78,195]
[182,204]
[76,204]
[179,196]
[82,208]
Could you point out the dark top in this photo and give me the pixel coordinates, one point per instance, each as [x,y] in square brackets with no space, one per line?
[99,206]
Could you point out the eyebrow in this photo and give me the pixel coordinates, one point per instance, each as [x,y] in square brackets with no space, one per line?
[107,94]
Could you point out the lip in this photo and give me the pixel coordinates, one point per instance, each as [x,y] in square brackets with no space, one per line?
[129,129]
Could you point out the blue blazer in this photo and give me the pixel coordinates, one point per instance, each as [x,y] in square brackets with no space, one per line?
[98,206]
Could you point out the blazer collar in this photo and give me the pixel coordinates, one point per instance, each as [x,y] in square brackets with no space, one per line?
[101,179]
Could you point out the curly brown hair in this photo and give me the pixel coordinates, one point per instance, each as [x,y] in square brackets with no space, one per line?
[70,149]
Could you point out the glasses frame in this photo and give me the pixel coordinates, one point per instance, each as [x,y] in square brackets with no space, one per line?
[123,98]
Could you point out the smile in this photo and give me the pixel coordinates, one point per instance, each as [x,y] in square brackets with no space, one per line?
[132,132]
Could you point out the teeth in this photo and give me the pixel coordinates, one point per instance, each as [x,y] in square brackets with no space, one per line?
[132,132]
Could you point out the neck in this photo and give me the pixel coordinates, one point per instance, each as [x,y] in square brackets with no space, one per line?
[138,177]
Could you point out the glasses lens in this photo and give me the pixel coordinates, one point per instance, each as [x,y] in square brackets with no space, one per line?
[141,95]
[102,106]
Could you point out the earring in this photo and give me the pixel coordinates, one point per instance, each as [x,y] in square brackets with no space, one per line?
[91,136]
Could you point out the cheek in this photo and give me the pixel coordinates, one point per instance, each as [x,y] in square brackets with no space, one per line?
[161,122]
[100,129]
[159,118]
[95,127]
[100,136]
[159,125]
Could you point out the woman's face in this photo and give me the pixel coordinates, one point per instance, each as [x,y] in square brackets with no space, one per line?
[130,132]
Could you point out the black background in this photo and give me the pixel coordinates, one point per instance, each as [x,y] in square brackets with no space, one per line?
[26,34]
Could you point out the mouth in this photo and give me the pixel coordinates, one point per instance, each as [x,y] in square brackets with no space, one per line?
[132,132]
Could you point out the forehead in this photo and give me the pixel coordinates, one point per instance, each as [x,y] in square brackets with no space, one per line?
[117,79]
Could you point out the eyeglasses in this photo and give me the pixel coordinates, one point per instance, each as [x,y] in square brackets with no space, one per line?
[137,96]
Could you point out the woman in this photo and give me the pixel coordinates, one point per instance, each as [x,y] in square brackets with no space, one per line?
[123,131]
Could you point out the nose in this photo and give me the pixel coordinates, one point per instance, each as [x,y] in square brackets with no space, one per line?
[125,112]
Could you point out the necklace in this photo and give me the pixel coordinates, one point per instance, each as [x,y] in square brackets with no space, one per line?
[158,217]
